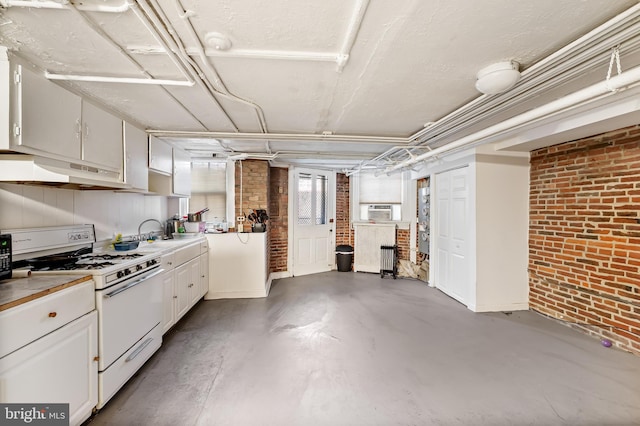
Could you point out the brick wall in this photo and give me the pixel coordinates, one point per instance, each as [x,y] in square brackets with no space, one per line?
[344,234]
[255,178]
[278,218]
[402,240]
[584,235]
[255,192]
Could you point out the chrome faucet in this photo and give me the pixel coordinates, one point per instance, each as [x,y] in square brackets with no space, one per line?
[149,220]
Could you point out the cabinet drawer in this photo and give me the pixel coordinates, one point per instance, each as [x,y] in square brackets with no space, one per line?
[118,373]
[30,321]
[185,254]
[168,261]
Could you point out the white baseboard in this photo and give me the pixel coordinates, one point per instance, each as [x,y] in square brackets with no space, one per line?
[252,294]
[507,307]
[280,275]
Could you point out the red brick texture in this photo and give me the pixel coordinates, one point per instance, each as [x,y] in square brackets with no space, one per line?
[344,234]
[584,235]
[255,192]
[278,218]
[402,240]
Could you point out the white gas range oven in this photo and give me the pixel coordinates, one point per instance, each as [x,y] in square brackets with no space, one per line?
[128,291]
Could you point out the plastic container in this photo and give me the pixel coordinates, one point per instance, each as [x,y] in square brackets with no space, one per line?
[126,245]
[344,257]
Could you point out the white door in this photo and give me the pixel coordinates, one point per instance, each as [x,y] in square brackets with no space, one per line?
[452,224]
[314,193]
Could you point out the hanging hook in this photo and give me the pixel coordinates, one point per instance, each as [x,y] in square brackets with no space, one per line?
[615,57]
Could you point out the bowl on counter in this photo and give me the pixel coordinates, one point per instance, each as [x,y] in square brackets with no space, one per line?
[126,245]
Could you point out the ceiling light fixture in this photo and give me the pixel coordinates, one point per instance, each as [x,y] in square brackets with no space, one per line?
[498,78]
[217,41]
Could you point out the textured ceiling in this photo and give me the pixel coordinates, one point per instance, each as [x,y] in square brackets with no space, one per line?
[409,62]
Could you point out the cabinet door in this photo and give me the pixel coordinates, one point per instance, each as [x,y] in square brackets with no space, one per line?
[160,156]
[135,161]
[169,298]
[195,285]
[60,367]
[101,137]
[47,115]
[183,295]
[204,273]
[181,172]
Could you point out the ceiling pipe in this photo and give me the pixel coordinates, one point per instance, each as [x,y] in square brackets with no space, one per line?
[175,51]
[124,80]
[222,89]
[38,4]
[570,61]
[334,138]
[100,31]
[598,90]
[352,33]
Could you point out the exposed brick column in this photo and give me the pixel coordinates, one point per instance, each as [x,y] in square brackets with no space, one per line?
[344,235]
[584,236]
[279,218]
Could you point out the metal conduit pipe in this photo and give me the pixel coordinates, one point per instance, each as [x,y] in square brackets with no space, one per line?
[126,54]
[352,33]
[158,30]
[384,140]
[64,4]
[205,60]
[598,90]
[621,28]
[575,66]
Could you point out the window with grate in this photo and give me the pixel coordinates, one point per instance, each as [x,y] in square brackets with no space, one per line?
[305,201]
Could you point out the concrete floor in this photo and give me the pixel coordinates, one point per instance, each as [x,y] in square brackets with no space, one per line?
[353,349]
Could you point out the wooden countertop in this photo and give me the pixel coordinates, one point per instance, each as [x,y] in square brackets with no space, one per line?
[17,291]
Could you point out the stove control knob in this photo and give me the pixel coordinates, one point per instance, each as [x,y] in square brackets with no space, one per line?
[138,267]
[151,262]
[120,274]
[127,271]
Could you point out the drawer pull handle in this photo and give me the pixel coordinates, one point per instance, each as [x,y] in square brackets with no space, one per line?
[53,314]
[139,349]
[96,358]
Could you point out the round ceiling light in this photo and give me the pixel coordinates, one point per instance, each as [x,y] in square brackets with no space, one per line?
[217,41]
[498,78]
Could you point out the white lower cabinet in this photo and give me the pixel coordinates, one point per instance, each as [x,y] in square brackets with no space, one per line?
[183,287]
[60,367]
[204,272]
[186,280]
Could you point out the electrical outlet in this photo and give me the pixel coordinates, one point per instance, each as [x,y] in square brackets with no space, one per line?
[240,219]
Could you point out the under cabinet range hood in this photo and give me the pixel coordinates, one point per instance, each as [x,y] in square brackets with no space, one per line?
[36,170]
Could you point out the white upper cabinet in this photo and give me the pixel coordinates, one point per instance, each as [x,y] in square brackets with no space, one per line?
[160,156]
[50,121]
[101,137]
[181,172]
[46,117]
[177,181]
[136,169]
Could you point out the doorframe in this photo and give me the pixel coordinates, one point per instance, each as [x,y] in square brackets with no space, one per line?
[292,214]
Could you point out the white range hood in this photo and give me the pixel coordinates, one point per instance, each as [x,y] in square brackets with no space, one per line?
[35,170]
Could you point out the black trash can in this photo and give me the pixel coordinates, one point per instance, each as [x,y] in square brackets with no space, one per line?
[344,257]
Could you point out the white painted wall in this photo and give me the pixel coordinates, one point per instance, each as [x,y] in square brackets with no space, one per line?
[25,206]
[501,233]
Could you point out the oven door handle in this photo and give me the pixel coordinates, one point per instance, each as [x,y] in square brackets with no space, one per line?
[132,284]
[139,349]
